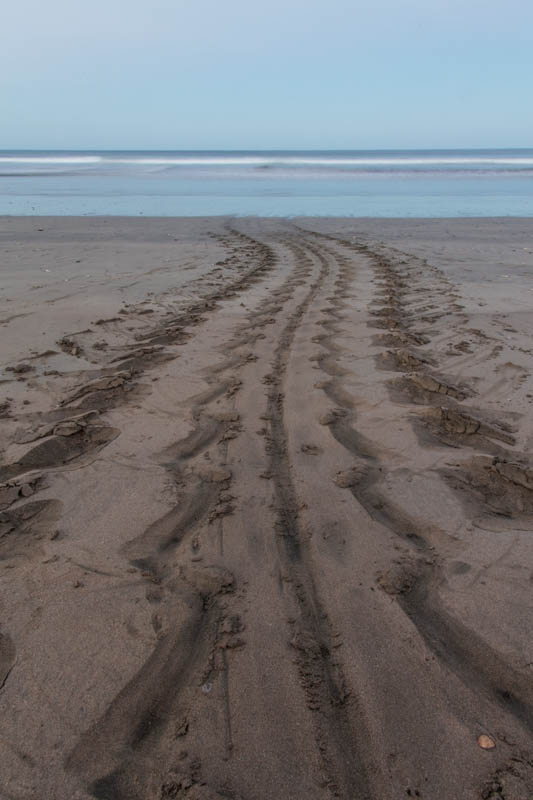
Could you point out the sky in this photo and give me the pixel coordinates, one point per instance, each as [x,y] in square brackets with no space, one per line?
[238,74]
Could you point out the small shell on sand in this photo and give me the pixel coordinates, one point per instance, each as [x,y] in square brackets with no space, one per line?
[485,742]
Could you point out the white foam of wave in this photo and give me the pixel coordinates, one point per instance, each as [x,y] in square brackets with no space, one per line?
[418,161]
[49,160]
[310,161]
[267,161]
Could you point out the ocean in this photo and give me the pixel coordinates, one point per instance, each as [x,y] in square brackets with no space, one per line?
[347,183]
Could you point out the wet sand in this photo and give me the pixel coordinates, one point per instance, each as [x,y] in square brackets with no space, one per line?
[266,508]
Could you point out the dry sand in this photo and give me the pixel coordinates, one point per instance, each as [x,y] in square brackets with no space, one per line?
[266,509]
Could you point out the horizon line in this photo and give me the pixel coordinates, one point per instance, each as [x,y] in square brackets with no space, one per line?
[253,149]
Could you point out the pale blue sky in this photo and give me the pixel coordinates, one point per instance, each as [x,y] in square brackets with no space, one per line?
[283,74]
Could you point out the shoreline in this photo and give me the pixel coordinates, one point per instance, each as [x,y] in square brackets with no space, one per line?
[291,218]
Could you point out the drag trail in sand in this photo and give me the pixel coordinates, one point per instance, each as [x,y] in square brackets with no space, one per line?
[272,540]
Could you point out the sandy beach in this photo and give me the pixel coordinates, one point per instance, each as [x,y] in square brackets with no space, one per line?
[266,509]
